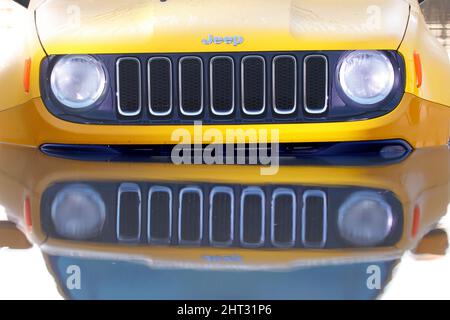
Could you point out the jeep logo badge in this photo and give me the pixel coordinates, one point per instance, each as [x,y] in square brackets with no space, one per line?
[234,40]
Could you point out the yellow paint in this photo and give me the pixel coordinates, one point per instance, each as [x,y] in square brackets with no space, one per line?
[178,26]
[435,61]
[417,121]
[422,179]
[143,26]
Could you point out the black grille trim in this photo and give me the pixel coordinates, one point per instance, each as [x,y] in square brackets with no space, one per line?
[273,232]
[181,237]
[120,93]
[258,192]
[128,188]
[214,192]
[212,80]
[306,242]
[182,92]
[169,89]
[245,94]
[308,92]
[150,235]
[276,90]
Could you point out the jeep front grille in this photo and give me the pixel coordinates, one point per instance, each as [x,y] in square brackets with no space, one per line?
[253,80]
[284,82]
[129,212]
[222,88]
[191,86]
[221,216]
[160,206]
[314,217]
[211,215]
[160,83]
[253,209]
[283,218]
[315,84]
[129,83]
[263,217]
[190,217]
[210,88]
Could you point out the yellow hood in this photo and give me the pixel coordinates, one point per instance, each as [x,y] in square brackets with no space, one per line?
[133,26]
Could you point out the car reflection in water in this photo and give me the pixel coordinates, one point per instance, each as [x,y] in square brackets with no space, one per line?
[153,230]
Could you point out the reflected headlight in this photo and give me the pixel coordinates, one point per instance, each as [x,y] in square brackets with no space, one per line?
[366,77]
[78,212]
[78,81]
[365,219]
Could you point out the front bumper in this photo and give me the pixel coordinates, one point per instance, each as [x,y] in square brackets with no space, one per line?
[419,122]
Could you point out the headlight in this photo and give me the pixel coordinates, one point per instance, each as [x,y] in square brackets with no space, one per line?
[365,219]
[78,212]
[78,81]
[366,77]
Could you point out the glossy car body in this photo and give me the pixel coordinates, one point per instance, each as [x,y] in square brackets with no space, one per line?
[417,189]
[420,117]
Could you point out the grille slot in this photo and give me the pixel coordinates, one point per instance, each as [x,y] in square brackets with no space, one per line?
[315,84]
[129,82]
[283,218]
[160,86]
[252,217]
[129,213]
[253,82]
[221,216]
[284,84]
[160,215]
[190,218]
[314,219]
[222,85]
[191,86]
